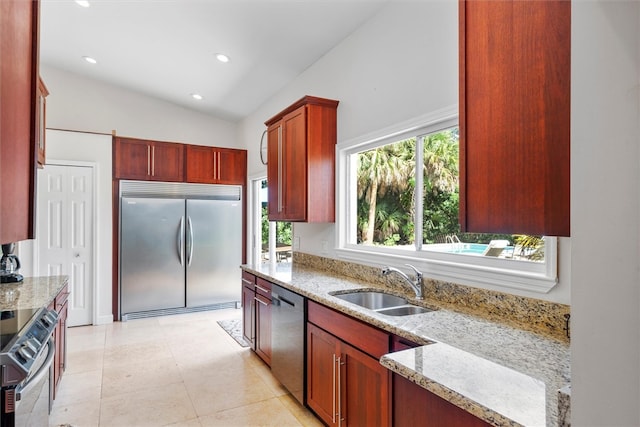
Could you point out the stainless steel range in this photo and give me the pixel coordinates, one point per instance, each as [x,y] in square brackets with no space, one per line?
[26,356]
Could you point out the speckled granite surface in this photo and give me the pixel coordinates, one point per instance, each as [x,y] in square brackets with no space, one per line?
[32,292]
[497,347]
[539,316]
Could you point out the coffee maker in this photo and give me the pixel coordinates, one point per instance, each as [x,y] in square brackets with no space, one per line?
[9,265]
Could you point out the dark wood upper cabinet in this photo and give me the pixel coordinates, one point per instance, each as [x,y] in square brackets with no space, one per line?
[301,161]
[19,32]
[148,160]
[214,165]
[515,116]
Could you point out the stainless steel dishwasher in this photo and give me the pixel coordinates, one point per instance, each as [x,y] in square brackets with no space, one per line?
[288,340]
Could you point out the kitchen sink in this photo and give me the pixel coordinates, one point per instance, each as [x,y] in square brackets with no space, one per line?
[383,303]
[404,310]
[372,300]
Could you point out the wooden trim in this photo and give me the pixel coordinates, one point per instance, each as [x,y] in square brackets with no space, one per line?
[115,290]
[305,100]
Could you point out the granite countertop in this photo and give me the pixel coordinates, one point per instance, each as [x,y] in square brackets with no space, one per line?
[503,375]
[32,292]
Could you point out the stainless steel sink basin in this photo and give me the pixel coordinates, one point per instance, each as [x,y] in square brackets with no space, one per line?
[382,303]
[404,310]
[372,300]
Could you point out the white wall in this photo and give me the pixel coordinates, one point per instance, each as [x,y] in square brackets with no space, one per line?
[82,104]
[605,200]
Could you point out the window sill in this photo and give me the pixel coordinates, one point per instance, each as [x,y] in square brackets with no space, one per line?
[496,274]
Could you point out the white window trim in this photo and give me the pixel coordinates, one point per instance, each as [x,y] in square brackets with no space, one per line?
[467,269]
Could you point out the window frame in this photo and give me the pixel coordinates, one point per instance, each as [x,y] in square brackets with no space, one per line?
[460,268]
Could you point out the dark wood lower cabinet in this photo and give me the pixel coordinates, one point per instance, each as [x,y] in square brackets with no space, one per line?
[256,315]
[248,315]
[345,386]
[61,305]
[263,326]
[416,406]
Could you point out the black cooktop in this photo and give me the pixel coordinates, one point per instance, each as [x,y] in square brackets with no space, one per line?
[12,322]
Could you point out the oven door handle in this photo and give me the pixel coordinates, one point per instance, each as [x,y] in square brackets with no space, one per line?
[42,371]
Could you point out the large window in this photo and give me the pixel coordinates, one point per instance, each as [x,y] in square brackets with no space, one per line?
[416,181]
[399,203]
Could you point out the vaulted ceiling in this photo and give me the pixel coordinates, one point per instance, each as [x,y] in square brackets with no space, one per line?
[167,48]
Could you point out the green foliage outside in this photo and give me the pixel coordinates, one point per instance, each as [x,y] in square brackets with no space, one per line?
[284,230]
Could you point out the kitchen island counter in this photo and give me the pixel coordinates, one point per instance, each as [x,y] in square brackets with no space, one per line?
[477,359]
[31,293]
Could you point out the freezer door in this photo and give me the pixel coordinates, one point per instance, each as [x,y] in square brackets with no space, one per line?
[213,251]
[151,254]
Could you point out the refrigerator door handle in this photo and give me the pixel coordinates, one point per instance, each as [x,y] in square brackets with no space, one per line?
[189,241]
[181,241]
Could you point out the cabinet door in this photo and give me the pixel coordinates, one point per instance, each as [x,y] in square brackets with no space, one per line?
[365,393]
[232,166]
[287,167]
[274,172]
[60,357]
[322,381]
[167,162]
[414,405]
[248,315]
[18,81]
[263,328]
[294,165]
[515,117]
[132,159]
[201,163]
[212,165]
[148,160]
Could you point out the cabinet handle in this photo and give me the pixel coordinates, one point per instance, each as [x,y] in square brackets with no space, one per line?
[218,168]
[216,165]
[280,167]
[266,291]
[333,413]
[247,281]
[340,418]
[153,161]
[148,160]
[260,301]
[253,322]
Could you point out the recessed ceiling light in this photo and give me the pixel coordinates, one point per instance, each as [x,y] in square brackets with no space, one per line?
[83,3]
[90,60]
[197,96]
[222,57]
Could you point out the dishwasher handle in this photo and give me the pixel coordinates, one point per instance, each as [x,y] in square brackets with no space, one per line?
[280,298]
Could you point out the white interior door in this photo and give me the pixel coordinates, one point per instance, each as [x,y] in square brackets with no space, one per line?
[64,234]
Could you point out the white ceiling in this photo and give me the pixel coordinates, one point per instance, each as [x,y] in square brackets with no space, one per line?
[166,48]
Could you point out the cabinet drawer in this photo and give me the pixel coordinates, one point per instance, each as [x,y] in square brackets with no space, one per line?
[263,288]
[61,298]
[248,280]
[365,337]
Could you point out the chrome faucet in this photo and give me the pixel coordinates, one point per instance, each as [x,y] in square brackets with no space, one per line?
[416,284]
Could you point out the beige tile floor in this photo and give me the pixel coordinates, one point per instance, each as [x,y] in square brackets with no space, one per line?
[180,370]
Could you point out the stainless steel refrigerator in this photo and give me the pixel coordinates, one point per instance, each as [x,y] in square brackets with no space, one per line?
[180,247]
